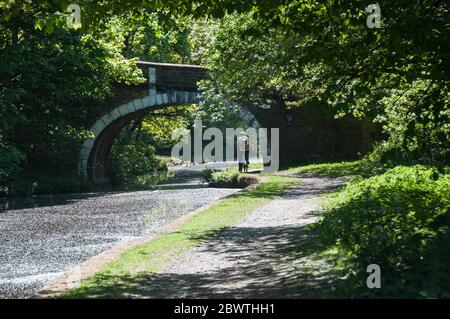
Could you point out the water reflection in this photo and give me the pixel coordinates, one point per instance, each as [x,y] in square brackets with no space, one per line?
[43,200]
[146,182]
[178,177]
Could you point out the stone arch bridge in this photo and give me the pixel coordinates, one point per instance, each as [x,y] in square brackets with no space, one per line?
[303,135]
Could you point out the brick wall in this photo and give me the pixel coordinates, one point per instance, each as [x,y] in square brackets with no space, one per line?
[311,135]
[178,77]
[306,134]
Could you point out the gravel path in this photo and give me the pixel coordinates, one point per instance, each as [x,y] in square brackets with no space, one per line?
[39,244]
[247,261]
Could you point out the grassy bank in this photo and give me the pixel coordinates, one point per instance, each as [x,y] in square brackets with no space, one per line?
[397,218]
[328,169]
[138,264]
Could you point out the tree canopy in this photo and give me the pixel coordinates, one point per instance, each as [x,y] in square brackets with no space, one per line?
[290,53]
[309,52]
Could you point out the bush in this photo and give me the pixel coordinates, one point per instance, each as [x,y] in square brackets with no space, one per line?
[228,178]
[396,220]
[128,162]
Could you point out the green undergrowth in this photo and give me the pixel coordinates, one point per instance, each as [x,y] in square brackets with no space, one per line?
[398,220]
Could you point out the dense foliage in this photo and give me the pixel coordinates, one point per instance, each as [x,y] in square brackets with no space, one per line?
[50,84]
[53,81]
[295,53]
[399,220]
[132,164]
[156,128]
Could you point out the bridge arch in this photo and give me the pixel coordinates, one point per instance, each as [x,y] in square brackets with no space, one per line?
[173,88]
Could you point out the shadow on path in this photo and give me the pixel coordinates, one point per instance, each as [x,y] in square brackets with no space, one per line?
[290,267]
[279,258]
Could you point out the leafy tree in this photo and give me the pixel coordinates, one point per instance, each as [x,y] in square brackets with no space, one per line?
[50,84]
[139,35]
[307,52]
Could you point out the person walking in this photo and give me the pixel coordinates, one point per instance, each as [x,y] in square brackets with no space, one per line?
[243,152]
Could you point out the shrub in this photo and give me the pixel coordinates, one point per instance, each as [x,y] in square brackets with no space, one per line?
[208,173]
[397,220]
[247,180]
[227,178]
[128,162]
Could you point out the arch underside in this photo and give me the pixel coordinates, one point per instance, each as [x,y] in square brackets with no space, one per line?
[95,151]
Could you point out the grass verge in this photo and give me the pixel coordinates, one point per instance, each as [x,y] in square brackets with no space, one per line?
[123,277]
[329,169]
